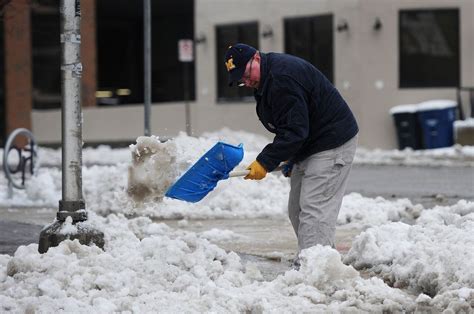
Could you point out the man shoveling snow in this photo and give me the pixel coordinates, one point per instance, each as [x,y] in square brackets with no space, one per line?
[315,132]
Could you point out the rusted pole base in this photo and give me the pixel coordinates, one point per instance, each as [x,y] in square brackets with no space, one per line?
[59,231]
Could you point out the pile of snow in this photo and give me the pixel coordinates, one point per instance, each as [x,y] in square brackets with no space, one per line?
[148,267]
[433,257]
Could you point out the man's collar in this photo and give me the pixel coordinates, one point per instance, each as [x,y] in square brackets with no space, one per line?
[263,73]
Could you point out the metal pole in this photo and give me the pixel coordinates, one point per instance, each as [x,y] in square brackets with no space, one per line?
[186,98]
[72,201]
[147,63]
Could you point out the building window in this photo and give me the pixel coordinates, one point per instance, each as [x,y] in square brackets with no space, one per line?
[120,50]
[46,54]
[311,38]
[429,48]
[227,35]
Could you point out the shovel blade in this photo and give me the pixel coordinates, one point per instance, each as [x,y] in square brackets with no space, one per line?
[202,177]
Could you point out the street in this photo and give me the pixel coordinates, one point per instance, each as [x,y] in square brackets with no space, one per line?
[428,186]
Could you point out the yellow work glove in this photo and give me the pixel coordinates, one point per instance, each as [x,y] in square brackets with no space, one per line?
[257,172]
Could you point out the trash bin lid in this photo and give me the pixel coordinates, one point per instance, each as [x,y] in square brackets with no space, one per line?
[403,109]
[438,104]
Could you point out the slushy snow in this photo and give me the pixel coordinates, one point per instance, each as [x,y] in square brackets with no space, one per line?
[435,256]
[150,267]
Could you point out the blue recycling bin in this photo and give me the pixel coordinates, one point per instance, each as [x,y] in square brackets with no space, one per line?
[407,126]
[436,120]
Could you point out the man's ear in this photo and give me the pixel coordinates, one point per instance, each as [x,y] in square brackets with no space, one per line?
[256,56]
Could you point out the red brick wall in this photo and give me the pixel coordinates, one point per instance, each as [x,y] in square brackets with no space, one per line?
[18,66]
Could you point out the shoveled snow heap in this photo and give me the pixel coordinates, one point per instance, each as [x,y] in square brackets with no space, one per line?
[157,165]
[148,267]
[154,168]
[433,257]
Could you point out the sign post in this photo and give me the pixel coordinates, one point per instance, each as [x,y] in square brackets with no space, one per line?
[186,55]
[147,63]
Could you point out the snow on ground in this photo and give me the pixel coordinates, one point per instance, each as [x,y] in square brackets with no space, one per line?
[215,235]
[434,257]
[105,192]
[149,267]
[151,166]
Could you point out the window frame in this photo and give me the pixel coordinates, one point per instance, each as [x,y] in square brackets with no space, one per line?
[423,85]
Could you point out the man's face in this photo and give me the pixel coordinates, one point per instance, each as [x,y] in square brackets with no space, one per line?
[251,77]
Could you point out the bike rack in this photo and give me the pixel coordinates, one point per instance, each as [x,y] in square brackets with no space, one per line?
[23,161]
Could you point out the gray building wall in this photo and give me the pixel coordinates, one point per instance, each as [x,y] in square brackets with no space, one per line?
[365,71]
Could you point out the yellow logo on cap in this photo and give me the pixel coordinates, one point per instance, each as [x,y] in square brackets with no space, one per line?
[230,64]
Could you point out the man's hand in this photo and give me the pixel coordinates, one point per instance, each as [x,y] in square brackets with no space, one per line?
[286,169]
[257,171]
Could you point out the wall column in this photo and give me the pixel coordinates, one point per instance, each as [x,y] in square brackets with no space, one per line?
[18,65]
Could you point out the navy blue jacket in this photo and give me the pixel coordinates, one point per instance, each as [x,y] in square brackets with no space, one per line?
[304,110]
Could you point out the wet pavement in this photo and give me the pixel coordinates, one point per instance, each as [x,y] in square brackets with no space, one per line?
[13,234]
[269,243]
[428,186]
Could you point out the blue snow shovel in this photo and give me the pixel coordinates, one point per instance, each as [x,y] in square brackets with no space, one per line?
[215,165]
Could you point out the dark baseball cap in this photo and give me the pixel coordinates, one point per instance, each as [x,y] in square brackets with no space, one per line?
[236,59]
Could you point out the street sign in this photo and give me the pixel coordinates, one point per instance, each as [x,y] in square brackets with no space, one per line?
[185,50]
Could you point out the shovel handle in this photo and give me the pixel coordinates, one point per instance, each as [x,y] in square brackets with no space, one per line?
[241,173]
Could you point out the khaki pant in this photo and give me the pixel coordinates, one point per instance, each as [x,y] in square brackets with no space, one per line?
[318,184]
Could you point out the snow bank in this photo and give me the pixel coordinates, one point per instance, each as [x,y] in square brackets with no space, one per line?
[433,257]
[446,157]
[148,267]
[105,192]
[253,144]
